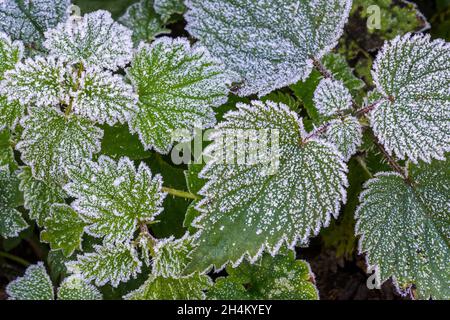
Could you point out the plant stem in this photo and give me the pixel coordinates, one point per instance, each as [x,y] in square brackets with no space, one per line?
[11,257]
[146,233]
[322,69]
[363,165]
[181,194]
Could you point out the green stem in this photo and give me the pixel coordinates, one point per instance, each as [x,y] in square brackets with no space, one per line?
[181,194]
[363,165]
[11,257]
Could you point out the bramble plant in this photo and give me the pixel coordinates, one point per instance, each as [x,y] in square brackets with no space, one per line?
[89,107]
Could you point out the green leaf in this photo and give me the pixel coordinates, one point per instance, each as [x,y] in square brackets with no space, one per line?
[39,195]
[341,71]
[270,278]
[270,44]
[51,142]
[63,229]
[166,280]
[177,85]
[346,134]
[6,151]
[27,20]
[94,40]
[144,21]
[261,205]
[108,263]
[76,288]
[412,73]
[112,197]
[10,53]
[194,184]
[167,8]
[11,221]
[34,285]
[10,113]
[405,228]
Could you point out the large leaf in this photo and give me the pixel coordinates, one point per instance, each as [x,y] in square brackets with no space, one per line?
[271,278]
[412,121]
[76,288]
[27,20]
[108,263]
[177,86]
[51,142]
[112,197]
[34,285]
[257,205]
[404,228]
[95,40]
[269,43]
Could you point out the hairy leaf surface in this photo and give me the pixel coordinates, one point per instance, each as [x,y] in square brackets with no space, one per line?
[331,97]
[345,134]
[76,288]
[34,285]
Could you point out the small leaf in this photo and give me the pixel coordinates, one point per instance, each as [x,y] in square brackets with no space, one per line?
[331,97]
[270,278]
[51,142]
[412,73]
[108,263]
[345,134]
[270,44]
[167,8]
[177,85]
[63,229]
[284,197]
[27,20]
[95,40]
[34,285]
[40,81]
[112,197]
[76,288]
[39,196]
[10,53]
[144,21]
[104,97]
[404,229]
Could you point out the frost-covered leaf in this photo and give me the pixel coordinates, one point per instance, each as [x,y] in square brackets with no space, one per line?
[166,8]
[331,97]
[113,196]
[270,278]
[144,21]
[51,142]
[34,285]
[269,43]
[63,229]
[10,53]
[166,280]
[10,113]
[346,134]
[177,86]
[94,40]
[6,151]
[11,221]
[108,263]
[39,195]
[104,97]
[284,196]
[412,73]
[76,288]
[27,20]
[405,229]
[40,81]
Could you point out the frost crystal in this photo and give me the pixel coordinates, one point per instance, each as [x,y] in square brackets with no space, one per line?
[34,285]
[113,196]
[245,210]
[63,229]
[412,73]
[345,134]
[40,81]
[404,229]
[51,142]
[177,86]
[27,20]
[104,97]
[11,221]
[76,288]
[108,263]
[166,8]
[269,43]
[144,21]
[331,97]
[38,195]
[95,40]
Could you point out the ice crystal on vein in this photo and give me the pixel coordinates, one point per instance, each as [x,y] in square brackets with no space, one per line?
[269,43]
[95,40]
